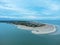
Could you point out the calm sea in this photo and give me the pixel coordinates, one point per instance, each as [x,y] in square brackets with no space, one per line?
[11,35]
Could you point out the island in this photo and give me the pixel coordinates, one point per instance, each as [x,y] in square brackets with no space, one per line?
[34,27]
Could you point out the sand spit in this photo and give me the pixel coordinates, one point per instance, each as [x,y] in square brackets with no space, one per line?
[39,30]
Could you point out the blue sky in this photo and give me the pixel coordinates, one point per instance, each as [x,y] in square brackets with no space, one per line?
[30,9]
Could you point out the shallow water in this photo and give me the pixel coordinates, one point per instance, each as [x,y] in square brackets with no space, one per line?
[11,35]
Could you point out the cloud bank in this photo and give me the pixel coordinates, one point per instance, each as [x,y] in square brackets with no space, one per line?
[47,9]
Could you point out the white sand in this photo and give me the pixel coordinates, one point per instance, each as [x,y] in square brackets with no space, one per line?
[39,30]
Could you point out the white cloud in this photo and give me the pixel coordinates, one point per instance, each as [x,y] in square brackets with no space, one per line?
[50,8]
[12,6]
[54,7]
[30,17]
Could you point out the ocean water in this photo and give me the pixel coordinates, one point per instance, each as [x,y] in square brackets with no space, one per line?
[11,35]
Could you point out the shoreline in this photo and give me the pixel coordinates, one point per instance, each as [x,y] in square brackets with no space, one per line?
[39,30]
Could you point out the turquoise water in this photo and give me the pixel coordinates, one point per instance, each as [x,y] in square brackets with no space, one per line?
[11,35]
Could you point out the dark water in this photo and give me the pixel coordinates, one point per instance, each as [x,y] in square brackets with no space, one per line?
[10,35]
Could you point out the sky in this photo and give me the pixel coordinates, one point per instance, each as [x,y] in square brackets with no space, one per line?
[30,9]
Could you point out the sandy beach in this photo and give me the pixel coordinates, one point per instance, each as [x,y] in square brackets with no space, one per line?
[39,30]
